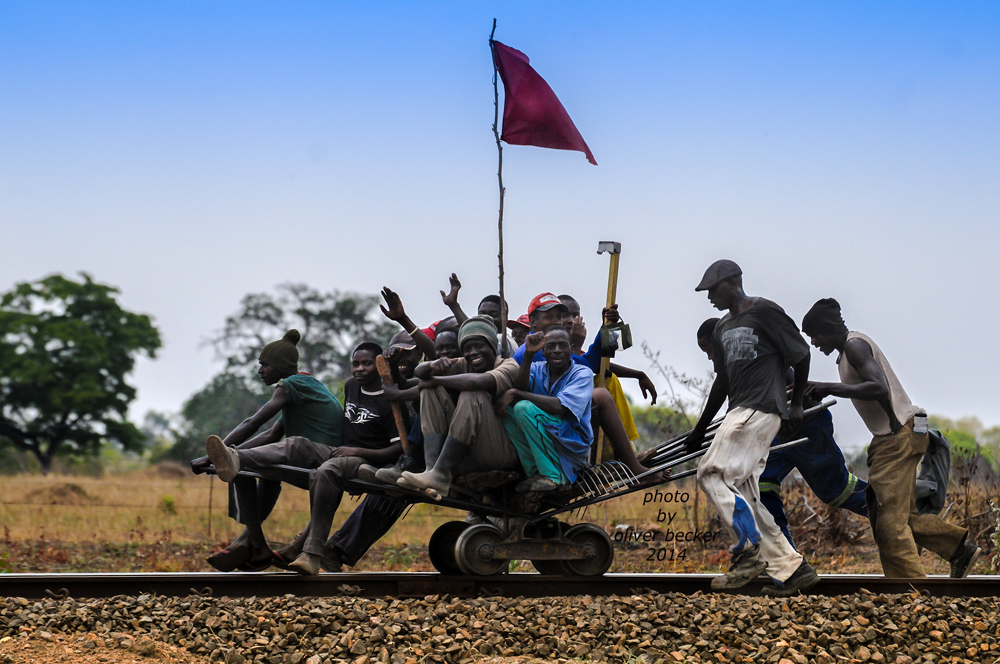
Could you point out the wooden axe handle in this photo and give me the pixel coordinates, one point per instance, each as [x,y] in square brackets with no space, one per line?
[397,410]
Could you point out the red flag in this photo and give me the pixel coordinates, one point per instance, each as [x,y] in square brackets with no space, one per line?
[532,114]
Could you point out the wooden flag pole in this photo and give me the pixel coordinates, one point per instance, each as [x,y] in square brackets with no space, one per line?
[615,249]
[496,134]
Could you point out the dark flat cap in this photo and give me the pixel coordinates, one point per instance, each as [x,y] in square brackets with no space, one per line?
[718,271]
[403,340]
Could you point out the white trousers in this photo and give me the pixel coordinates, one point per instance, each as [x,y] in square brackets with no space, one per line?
[729,474]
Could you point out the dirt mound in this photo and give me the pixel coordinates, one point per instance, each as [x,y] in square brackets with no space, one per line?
[42,647]
[170,470]
[62,494]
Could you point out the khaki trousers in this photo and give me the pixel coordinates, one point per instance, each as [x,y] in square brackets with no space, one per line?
[471,420]
[897,526]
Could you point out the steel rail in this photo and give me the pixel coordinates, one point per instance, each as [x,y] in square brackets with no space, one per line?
[421,584]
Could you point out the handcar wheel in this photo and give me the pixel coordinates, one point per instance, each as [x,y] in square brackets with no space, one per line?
[469,550]
[604,551]
[553,567]
[441,547]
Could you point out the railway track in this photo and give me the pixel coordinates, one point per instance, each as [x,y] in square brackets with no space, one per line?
[420,584]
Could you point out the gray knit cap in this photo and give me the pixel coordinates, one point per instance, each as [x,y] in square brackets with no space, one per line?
[478,326]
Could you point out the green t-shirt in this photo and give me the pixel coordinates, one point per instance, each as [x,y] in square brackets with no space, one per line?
[312,411]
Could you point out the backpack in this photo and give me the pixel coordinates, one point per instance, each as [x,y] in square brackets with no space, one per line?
[933,475]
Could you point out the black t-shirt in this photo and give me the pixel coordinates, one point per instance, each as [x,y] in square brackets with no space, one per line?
[368,420]
[752,351]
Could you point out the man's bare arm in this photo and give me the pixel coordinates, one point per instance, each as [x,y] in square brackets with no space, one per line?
[467,382]
[550,405]
[393,310]
[645,384]
[245,429]
[716,397]
[873,385]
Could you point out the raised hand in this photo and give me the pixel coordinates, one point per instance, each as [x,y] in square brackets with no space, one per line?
[451,298]
[578,332]
[395,309]
[534,342]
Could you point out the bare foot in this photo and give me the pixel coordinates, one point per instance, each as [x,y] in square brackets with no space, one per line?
[652,479]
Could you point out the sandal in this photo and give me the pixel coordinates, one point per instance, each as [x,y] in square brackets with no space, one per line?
[279,561]
[227,560]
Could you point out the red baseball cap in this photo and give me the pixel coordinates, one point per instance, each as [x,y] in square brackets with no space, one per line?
[544,302]
[431,330]
[522,321]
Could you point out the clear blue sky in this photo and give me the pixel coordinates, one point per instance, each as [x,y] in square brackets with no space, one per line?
[189,153]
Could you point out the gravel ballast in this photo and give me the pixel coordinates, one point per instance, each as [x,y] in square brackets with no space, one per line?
[656,628]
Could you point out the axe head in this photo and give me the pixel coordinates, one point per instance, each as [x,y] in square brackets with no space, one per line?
[609,247]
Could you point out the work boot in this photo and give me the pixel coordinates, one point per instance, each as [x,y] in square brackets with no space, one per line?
[412,462]
[438,478]
[524,486]
[433,442]
[432,448]
[306,563]
[963,560]
[746,566]
[284,557]
[366,472]
[330,560]
[225,459]
[803,578]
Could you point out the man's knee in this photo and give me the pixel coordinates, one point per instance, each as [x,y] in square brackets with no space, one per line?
[523,408]
[337,469]
[432,399]
[708,473]
[602,398]
[473,400]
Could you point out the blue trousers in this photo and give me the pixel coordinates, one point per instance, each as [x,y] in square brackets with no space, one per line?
[822,466]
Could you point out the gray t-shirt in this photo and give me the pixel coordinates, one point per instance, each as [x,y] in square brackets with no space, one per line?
[752,351]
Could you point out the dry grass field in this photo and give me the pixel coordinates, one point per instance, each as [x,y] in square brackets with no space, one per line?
[165,519]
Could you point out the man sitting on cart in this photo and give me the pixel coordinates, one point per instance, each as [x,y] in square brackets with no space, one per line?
[547,310]
[306,409]
[548,412]
[463,434]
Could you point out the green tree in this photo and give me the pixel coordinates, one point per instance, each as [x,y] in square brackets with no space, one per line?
[657,424]
[967,436]
[331,325]
[66,348]
[217,408]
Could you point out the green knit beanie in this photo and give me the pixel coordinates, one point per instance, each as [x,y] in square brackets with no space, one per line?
[282,354]
[478,326]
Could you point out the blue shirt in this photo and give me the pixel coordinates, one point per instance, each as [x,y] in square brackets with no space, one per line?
[575,391]
[592,358]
